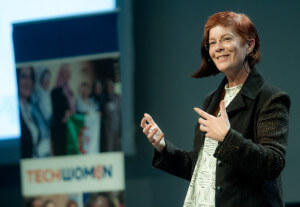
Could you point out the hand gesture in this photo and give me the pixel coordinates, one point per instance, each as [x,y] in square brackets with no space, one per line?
[215,127]
[153,132]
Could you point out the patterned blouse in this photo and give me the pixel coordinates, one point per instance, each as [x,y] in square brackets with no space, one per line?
[201,191]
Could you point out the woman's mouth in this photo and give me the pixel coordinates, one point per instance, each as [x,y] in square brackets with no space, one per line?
[222,57]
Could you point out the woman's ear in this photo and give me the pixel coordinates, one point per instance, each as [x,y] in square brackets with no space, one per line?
[250,45]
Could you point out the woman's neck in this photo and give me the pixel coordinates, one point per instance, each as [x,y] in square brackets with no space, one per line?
[238,77]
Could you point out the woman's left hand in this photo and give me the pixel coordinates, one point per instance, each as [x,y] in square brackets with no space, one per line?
[215,127]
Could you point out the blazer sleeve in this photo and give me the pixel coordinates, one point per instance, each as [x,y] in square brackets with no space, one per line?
[264,159]
[180,162]
[174,161]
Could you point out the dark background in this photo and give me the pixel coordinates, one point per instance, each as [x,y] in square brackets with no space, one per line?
[166,37]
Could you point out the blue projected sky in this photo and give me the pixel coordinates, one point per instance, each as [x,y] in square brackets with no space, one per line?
[16,11]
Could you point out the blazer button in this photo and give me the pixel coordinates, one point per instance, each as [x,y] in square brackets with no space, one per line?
[220,163]
[219,189]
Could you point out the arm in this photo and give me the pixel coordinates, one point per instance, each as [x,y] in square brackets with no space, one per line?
[265,159]
[166,156]
[174,161]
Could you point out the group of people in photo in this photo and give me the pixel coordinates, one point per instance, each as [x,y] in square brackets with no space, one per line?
[37,202]
[57,119]
[95,199]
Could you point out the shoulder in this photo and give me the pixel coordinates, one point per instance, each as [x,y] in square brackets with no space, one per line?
[259,90]
[268,89]
[268,92]
[272,99]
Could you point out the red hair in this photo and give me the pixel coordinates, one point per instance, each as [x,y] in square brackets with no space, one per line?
[242,26]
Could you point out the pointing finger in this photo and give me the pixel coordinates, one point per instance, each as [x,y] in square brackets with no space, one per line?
[202,113]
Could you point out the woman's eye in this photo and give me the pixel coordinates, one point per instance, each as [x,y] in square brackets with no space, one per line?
[227,39]
[211,43]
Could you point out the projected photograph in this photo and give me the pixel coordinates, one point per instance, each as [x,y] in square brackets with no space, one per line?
[70,107]
[72,200]
[95,199]
[104,199]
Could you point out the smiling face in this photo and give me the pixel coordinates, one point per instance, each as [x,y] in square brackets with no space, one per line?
[227,49]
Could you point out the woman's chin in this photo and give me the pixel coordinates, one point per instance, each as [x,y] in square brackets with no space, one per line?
[222,69]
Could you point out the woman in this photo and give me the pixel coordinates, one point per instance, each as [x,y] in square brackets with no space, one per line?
[111,120]
[63,107]
[241,135]
[42,93]
[91,133]
[42,103]
[30,136]
[98,94]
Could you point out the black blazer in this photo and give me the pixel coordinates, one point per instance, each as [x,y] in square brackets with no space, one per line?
[252,155]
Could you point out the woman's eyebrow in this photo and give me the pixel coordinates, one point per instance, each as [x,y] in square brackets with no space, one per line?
[222,36]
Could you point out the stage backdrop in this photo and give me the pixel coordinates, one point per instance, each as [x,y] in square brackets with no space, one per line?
[70,92]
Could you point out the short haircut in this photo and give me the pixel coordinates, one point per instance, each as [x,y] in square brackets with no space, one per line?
[242,25]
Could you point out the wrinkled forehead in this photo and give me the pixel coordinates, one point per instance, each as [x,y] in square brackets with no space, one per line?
[218,31]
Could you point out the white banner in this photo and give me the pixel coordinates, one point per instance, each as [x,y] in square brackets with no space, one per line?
[73,174]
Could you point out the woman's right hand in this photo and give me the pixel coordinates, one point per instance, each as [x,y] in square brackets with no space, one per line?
[153,132]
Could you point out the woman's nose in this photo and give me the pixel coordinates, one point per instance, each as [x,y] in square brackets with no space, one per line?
[219,46]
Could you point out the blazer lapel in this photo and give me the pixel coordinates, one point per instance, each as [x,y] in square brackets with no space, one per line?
[250,89]
[236,103]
